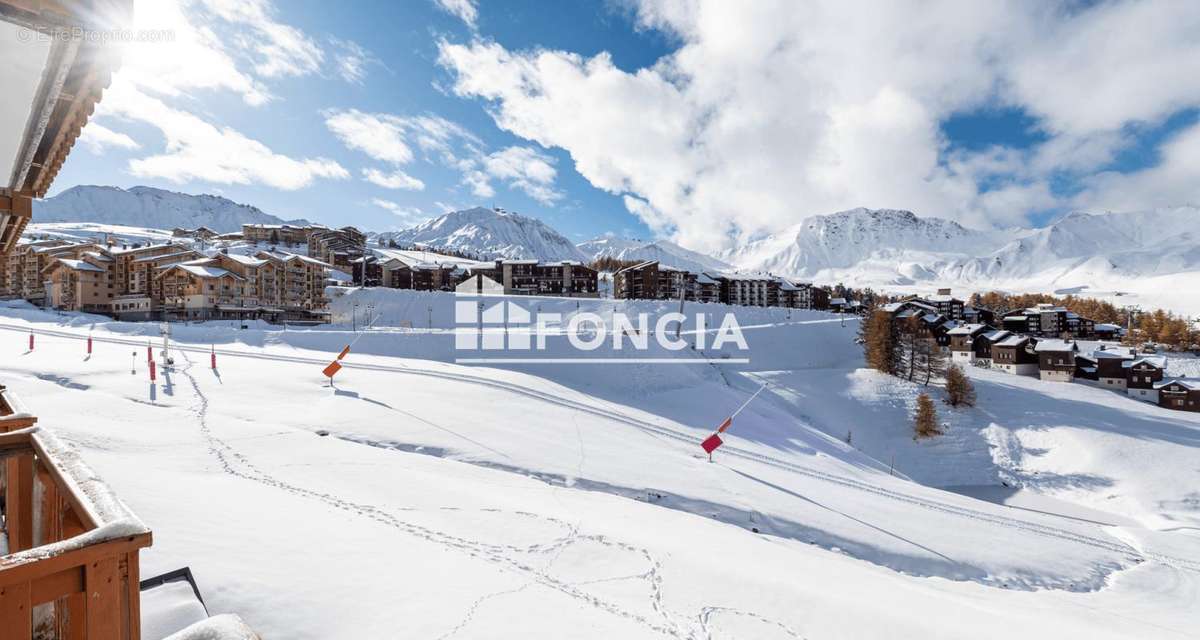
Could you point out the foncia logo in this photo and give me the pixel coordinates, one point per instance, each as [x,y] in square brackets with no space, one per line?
[494,330]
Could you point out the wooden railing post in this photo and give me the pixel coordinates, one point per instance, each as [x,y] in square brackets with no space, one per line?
[18,517]
[101,586]
[16,612]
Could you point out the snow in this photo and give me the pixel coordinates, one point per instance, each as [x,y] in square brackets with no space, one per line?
[222,627]
[168,608]
[555,500]
[661,251]
[1145,258]
[490,234]
[148,207]
[80,265]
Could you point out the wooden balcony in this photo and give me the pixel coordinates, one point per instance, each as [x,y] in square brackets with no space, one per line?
[70,569]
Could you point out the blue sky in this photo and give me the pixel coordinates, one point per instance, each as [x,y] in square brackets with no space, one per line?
[691,121]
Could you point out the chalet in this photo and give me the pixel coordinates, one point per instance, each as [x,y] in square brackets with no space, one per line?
[285,234]
[905,308]
[1144,373]
[983,343]
[1015,354]
[1086,367]
[1181,394]
[1105,331]
[1056,359]
[962,339]
[193,291]
[839,305]
[1111,365]
[977,315]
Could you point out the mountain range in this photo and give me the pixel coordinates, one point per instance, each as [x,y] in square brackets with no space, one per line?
[150,208]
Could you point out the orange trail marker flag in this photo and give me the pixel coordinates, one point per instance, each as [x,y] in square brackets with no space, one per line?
[344,352]
[332,369]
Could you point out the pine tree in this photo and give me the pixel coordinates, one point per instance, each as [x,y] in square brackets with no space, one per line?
[925,421]
[908,348]
[959,390]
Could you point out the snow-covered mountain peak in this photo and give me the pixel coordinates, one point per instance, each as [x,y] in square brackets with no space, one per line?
[664,251]
[490,233]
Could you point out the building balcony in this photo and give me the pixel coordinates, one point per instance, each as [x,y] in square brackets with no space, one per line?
[71,546]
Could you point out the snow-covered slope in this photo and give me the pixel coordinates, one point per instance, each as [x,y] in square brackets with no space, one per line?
[561,500]
[149,207]
[663,251]
[1107,254]
[490,233]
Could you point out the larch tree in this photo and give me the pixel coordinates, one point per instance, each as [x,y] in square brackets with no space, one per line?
[925,421]
[959,390]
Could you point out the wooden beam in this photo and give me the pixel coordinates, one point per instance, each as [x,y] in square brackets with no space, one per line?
[103,593]
[57,585]
[27,569]
[16,612]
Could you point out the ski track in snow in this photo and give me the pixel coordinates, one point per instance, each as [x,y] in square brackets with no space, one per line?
[238,465]
[691,441]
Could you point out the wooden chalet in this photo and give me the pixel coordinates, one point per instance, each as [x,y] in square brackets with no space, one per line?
[1112,364]
[1056,359]
[1016,355]
[1144,373]
[962,342]
[1182,394]
[946,304]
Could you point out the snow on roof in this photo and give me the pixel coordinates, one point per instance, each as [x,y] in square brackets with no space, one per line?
[246,260]
[1111,351]
[1159,362]
[205,272]
[837,301]
[96,255]
[996,334]
[1104,326]
[704,278]
[1012,341]
[79,265]
[941,298]
[1055,345]
[1192,384]
[967,329]
[164,255]
[1015,318]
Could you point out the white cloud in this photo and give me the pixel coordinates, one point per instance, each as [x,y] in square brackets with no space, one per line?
[409,216]
[380,136]
[192,58]
[464,10]
[199,150]
[277,49]
[773,111]
[526,169]
[394,180]
[97,137]
[1171,182]
[350,60]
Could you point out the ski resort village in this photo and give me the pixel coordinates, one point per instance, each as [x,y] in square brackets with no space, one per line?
[455,319]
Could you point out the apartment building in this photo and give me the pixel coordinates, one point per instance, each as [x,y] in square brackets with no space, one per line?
[79,284]
[277,234]
[338,247]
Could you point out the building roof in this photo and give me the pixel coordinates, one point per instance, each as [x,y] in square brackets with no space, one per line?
[1104,326]
[165,255]
[1012,341]
[1112,351]
[202,271]
[79,265]
[967,329]
[1055,345]
[996,335]
[1192,384]
[1158,362]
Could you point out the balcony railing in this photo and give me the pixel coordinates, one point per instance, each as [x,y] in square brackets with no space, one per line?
[71,545]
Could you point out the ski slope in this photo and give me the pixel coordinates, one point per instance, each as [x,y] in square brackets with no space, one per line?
[554,500]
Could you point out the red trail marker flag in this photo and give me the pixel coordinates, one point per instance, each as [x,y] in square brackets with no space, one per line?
[711,443]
